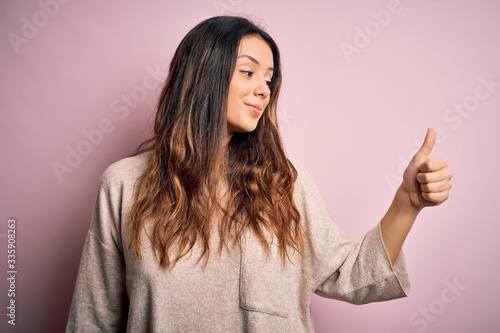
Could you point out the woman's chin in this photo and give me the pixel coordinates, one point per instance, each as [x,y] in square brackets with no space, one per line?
[243,129]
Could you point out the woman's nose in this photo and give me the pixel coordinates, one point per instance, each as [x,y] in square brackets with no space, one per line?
[262,89]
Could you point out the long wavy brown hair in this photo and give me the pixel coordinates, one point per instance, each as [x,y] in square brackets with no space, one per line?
[196,182]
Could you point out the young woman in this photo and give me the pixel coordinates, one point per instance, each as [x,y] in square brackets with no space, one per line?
[211,228]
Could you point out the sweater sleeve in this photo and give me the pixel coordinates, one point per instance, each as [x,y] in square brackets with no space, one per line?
[100,302]
[357,273]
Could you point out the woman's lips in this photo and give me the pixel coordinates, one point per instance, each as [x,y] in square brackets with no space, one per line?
[255,108]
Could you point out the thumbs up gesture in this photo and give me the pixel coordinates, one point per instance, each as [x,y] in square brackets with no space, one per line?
[426,181]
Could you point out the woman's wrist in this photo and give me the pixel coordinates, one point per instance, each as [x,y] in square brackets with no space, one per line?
[403,204]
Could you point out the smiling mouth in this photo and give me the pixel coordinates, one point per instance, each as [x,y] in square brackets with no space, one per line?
[256,109]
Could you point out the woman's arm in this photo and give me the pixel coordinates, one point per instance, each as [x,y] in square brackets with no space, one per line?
[100,302]
[426,182]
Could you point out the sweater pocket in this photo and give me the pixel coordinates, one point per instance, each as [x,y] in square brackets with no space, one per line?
[265,283]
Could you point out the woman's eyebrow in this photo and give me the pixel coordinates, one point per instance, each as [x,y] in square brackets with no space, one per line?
[254,61]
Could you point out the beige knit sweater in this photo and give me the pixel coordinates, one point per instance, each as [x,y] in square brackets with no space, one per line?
[238,291]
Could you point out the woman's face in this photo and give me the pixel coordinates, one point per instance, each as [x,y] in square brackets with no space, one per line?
[249,87]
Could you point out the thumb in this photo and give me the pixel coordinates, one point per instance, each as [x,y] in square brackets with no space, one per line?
[424,151]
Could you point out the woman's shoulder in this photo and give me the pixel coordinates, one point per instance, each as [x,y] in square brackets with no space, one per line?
[306,191]
[304,179]
[126,170]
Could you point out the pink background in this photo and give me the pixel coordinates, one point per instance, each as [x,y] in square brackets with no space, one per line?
[82,76]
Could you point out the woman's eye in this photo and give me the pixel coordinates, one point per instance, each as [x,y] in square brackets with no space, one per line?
[247,73]
[269,83]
